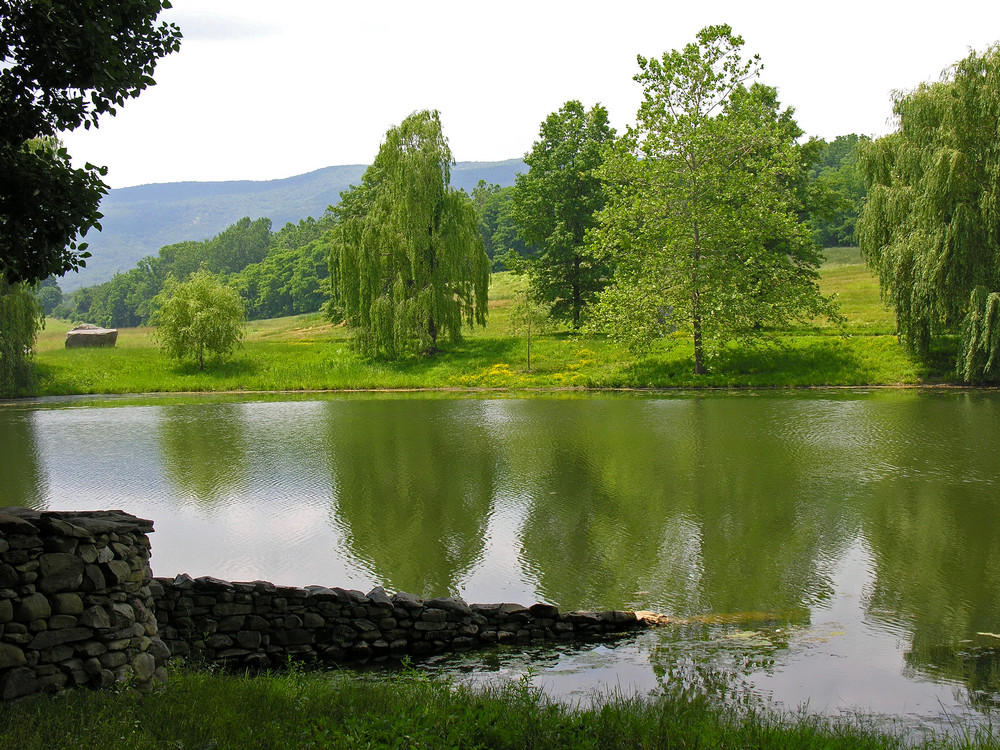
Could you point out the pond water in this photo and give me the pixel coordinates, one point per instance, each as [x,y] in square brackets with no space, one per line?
[839,549]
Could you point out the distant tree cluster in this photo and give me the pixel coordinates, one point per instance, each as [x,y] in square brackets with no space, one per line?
[836,189]
[276,274]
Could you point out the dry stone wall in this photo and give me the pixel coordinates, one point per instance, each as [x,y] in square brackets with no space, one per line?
[75,602]
[79,607]
[260,625]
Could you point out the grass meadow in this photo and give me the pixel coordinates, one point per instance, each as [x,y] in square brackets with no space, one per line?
[307,352]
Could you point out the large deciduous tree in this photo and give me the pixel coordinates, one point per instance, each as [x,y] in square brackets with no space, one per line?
[554,206]
[702,218]
[64,64]
[931,225]
[407,264]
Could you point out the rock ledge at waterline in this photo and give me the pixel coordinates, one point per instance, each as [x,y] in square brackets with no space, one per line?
[79,607]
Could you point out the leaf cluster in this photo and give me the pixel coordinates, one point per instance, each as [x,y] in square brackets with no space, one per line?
[64,64]
[554,204]
[198,317]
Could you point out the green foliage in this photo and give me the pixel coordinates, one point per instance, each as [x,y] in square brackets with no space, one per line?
[198,317]
[48,294]
[287,282]
[931,224]
[282,273]
[21,317]
[44,204]
[836,190]
[64,64]
[554,206]
[407,262]
[979,358]
[702,221]
[494,207]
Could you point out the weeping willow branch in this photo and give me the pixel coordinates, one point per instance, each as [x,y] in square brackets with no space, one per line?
[979,358]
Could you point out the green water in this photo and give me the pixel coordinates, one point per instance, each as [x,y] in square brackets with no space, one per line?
[839,547]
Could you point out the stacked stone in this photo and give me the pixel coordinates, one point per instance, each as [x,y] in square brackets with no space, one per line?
[261,625]
[75,603]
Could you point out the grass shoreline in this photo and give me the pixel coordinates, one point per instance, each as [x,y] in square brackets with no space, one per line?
[198,709]
[308,354]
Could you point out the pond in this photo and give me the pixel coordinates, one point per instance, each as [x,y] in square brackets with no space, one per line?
[839,549]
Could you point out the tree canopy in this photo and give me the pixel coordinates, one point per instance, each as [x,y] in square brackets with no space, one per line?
[407,263]
[931,225]
[64,64]
[276,273]
[197,317]
[702,220]
[836,189]
[554,206]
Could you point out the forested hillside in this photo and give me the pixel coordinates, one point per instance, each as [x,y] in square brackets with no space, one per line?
[139,220]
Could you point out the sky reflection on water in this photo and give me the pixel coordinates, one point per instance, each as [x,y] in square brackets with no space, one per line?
[832,547]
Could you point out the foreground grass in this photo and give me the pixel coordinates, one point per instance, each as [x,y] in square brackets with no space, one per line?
[308,353]
[343,710]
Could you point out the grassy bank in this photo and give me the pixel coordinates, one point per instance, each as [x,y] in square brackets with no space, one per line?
[308,353]
[323,710]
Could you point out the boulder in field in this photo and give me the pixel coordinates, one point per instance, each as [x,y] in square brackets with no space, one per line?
[90,335]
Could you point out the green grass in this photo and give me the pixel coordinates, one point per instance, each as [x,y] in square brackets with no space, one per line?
[308,353]
[348,710]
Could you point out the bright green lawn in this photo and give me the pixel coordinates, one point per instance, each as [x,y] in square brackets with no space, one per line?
[308,353]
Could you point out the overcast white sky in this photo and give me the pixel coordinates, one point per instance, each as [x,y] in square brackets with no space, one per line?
[263,89]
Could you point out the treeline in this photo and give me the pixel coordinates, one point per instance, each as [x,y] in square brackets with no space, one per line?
[286,272]
[276,274]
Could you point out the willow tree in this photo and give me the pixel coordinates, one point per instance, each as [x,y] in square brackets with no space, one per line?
[21,317]
[931,225]
[407,265]
[702,220]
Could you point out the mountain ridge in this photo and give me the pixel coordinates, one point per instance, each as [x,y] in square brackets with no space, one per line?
[140,219]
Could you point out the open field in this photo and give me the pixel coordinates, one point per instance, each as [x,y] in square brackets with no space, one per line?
[306,352]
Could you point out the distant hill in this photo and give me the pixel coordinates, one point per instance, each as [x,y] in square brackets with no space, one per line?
[138,221]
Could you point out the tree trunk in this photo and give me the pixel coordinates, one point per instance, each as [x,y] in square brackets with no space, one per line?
[699,353]
[576,292]
[432,332]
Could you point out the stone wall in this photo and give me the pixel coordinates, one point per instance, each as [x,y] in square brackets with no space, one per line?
[75,602]
[79,606]
[261,625]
